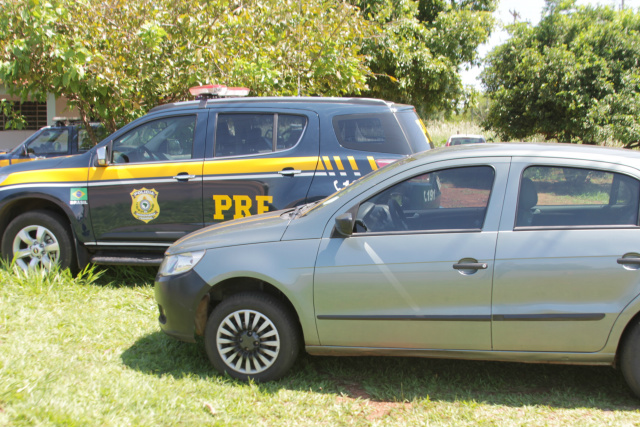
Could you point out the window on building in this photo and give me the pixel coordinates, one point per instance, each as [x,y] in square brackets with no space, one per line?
[35,113]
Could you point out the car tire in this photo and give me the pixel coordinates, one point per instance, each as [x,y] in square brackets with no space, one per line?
[39,239]
[231,343]
[630,358]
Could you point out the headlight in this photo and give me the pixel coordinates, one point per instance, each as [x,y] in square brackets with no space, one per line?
[179,263]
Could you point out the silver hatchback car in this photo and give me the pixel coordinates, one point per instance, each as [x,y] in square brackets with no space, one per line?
[515,252]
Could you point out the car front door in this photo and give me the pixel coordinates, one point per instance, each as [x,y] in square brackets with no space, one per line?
[150,194]
[561,278]
[417,272]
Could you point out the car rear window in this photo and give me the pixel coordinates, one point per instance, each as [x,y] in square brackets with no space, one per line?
[381,132]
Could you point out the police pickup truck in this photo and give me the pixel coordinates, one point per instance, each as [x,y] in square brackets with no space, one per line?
[187,165]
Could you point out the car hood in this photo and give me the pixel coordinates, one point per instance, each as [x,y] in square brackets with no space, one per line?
[268,227]
[74,161]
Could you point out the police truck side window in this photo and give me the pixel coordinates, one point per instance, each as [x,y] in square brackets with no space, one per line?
[290,130]
[245,134]
[169,138]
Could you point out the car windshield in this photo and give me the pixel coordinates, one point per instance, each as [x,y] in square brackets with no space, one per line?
[355,186]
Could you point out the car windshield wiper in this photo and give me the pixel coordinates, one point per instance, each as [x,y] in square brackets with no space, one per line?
[300,209]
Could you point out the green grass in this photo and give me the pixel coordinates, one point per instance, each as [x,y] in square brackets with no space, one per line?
[88,352]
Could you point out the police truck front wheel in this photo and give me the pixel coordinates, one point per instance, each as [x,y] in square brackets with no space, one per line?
[38,239]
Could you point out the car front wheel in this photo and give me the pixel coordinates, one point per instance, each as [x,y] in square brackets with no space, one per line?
[252,335]
[38,239]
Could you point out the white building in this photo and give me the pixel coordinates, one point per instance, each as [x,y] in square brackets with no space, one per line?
[37,114]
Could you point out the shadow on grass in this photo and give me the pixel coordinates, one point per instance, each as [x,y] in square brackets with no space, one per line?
[387,379]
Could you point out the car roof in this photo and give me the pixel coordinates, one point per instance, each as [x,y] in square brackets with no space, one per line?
[282,101]
[549,150]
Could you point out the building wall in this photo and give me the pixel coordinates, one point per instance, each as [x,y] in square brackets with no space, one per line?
[9,139]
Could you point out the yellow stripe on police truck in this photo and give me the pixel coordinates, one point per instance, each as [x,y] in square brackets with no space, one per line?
[51,176]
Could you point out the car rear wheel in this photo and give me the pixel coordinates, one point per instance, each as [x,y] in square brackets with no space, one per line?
[38,239]
[252,335]
[630,358]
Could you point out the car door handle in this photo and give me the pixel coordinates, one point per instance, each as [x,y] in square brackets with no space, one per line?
[183,176]
[629,261]
[470,266]
[289,172]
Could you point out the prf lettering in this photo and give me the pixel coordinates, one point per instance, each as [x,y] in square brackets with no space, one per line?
[241,205]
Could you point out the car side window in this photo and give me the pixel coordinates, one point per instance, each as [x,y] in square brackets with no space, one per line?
[169,138]
[50,141]
[244,134]
[448,199]
[574,197]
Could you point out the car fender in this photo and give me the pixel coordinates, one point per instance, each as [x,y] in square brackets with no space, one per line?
[286,265]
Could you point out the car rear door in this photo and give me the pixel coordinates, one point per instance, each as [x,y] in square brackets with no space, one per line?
[424,284]
[561,278]
[258,160]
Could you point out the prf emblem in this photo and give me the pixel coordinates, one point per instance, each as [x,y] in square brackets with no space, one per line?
[144,204]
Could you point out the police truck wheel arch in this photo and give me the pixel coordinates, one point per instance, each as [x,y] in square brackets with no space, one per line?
[39,239]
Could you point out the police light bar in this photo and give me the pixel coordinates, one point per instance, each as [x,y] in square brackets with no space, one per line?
[236,91]
[217,91]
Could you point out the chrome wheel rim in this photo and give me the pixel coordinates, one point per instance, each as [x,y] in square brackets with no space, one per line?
[35,246]
[248,342]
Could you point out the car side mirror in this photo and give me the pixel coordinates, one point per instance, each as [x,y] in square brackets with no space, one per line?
[103,154]
[344,225]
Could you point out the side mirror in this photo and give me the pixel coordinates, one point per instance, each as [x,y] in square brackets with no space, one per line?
[102,154]
[344,225]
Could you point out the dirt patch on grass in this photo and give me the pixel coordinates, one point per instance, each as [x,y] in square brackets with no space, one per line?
[373,408]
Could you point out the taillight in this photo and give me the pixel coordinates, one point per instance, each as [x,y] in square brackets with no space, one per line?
[384,162]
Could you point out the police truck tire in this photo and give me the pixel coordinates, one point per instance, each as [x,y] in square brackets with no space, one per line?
[252,335]
[39,239]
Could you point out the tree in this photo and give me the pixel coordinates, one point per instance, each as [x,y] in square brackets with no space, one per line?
[572,78]
[116,59]
[423,45]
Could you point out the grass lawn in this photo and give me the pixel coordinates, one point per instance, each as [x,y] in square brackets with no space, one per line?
[89,352]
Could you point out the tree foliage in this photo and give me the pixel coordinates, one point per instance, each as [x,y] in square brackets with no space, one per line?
[572,78]
[423,46]
[116,59]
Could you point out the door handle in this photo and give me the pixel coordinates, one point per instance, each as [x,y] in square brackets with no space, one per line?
[470,266]
[289,172]
[629,261]
[183,176]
